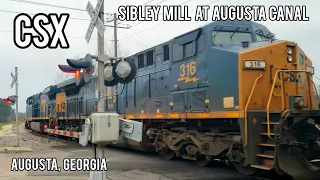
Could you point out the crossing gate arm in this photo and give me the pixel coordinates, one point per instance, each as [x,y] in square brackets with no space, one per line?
[133,129]
[63,133]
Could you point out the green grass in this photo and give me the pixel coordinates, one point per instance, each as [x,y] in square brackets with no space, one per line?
[3,124]
[13,123]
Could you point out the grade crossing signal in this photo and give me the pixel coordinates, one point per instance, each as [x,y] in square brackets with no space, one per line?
[82,68]
[122,71]
[75,71]
[116,70]
[11,100]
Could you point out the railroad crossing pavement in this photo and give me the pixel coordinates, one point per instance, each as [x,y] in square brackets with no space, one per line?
[122,165]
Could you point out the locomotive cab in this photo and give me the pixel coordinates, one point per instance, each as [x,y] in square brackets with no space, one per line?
[276,91]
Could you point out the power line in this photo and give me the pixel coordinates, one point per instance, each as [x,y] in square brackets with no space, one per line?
[160,23]
[148,2]
[134,40]
[141,38]
[50,5]
[16,12]
[7,31]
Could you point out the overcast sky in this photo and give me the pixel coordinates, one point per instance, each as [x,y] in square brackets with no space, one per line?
[38,67]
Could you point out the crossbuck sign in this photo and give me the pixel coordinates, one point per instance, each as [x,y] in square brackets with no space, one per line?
[95,20]
[14,79]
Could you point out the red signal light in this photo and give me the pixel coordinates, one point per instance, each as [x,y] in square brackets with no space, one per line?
[87,70]
[7,101]
[77,73]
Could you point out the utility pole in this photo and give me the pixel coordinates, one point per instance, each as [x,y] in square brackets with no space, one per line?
[101,87]
[115,36]
[15,100]
[97,19]
[115,32]
[17,111]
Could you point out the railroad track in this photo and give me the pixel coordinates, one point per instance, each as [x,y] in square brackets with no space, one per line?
[265,176]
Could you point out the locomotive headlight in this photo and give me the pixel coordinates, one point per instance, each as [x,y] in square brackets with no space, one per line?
[299,102]
[289,50]
[289,58]
[310,69]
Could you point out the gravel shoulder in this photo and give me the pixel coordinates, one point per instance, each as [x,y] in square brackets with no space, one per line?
[27,138]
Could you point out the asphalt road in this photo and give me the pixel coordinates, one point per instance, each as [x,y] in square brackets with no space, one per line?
[122,164]
[128,160]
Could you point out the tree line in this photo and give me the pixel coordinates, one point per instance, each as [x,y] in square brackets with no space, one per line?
[6,112]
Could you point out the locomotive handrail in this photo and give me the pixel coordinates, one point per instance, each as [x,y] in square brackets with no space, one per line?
[315,88]
[282,94]
[246,108]
[284,116]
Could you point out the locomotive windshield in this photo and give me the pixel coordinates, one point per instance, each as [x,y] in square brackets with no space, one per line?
[227,37]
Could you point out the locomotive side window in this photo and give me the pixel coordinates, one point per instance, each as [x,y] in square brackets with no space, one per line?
[150,58]
[184,46]
[166,52]
[201,43]
[188,50]
[140,61]
[223,37]
[177,52]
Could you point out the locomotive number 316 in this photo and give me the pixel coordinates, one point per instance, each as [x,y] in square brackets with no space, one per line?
[188,69]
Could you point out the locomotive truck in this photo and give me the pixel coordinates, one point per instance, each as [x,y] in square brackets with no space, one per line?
[228,90]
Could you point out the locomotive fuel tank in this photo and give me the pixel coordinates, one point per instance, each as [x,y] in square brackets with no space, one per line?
[37,127]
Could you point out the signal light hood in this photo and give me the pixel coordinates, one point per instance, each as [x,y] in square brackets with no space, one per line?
[68,69]
[78,63]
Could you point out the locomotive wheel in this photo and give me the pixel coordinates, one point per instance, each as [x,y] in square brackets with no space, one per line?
[167,154]
[201,160]
[248,171]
